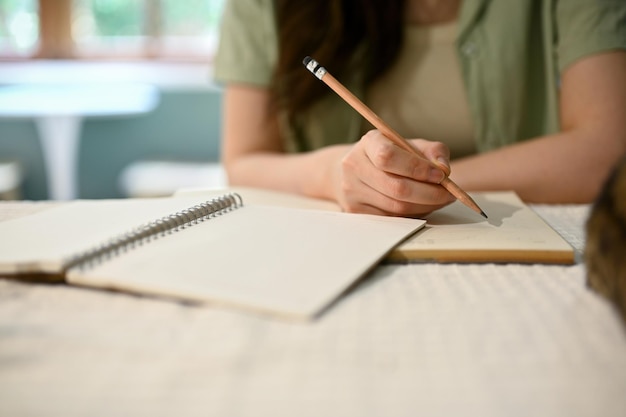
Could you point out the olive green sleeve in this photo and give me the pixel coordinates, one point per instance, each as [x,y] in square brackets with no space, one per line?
[586,27]
[248,46]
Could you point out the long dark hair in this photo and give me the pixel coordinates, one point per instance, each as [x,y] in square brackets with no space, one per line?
[332,31]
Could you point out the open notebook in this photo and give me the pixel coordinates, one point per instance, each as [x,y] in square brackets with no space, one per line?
[282,260]
[513,232]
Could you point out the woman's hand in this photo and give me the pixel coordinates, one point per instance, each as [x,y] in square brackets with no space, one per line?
[378,177]
[370,176]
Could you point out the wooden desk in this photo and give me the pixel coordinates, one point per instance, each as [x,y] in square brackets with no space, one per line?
[420,339]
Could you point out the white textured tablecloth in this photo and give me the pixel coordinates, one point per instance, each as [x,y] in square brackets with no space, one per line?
[419,339]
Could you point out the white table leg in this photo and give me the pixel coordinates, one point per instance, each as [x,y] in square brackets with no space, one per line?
[59,137]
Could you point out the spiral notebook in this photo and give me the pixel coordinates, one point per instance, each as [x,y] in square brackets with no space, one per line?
[280,260]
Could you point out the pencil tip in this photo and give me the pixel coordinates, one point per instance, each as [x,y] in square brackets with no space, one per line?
[482,213]
[306,60]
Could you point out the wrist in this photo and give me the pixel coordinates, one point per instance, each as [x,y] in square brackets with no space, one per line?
[324,172]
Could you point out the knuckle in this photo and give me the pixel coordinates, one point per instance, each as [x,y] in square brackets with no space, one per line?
[382,155]
[370,135]
[398,188]
[420,170]
[348,163]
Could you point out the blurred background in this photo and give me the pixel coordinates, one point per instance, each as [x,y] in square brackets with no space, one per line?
[108,98]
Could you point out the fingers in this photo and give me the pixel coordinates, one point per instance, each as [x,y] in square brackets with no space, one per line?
[378,177]
[368,200]
[395,194]
[433,167]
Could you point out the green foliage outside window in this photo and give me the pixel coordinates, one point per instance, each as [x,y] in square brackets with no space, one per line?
[104,18]
[191,17]
[128,17]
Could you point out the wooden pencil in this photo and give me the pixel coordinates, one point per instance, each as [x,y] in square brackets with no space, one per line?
[322,74]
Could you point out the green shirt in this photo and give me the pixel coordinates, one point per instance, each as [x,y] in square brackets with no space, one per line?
[511,54]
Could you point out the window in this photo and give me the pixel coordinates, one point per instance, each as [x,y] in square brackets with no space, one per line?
[19,27]
[109,28]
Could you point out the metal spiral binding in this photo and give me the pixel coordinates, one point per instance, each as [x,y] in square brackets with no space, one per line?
[156,229]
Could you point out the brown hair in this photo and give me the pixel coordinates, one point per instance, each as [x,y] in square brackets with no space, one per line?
[331,31]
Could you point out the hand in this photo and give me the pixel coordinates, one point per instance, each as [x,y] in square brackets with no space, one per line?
[378,177]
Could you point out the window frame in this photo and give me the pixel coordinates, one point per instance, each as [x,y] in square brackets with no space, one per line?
[56,40]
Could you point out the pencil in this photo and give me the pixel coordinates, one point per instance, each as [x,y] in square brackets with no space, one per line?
[321,73]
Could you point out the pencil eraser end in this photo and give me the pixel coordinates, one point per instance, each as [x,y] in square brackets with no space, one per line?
[306,60]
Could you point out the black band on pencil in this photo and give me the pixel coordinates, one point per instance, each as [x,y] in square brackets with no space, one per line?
[312,65]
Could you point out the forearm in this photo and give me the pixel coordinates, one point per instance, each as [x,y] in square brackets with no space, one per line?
[567,167]
[309,173]
[253,151]
[570,166]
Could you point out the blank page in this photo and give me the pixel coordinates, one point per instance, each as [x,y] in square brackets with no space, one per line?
[292,262]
